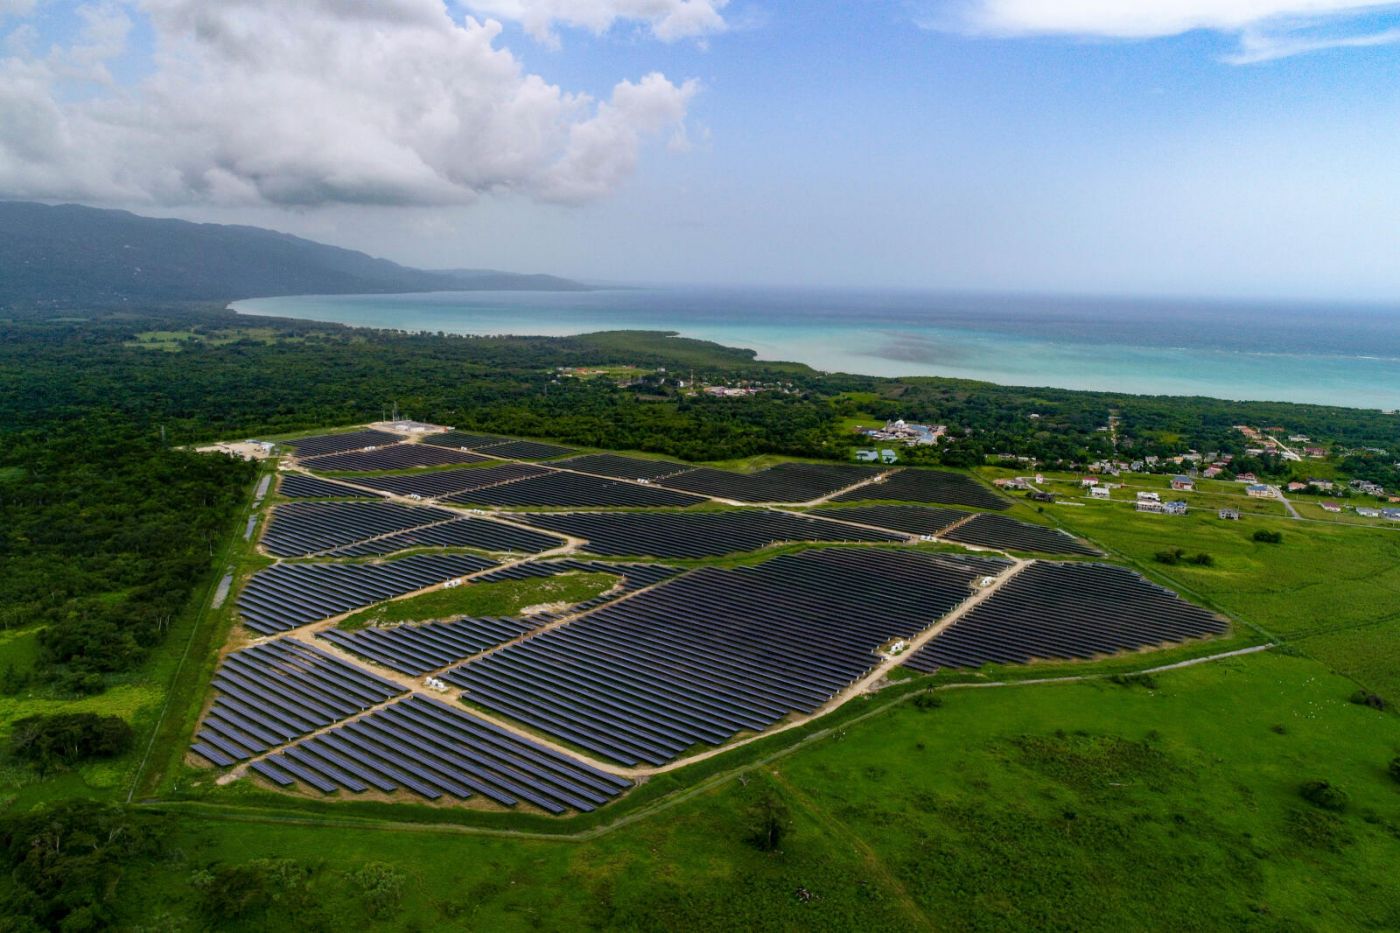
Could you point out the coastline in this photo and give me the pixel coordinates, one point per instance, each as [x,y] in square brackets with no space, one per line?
[884,342]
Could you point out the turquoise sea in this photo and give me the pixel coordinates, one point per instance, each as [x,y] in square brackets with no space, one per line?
[1330,354]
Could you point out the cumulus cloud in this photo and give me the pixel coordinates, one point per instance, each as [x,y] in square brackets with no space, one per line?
[313,102]
[1266,28]
[668,20]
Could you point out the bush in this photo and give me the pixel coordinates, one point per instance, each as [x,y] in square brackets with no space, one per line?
[1202,560]
[1264,536]
[927,701]
[1325,796]
[1394,768]
[1367,698]
[1134,680]
[63,739]
[381,887]
[1169,557]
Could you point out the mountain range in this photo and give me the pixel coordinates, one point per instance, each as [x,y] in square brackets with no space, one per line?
[68,254]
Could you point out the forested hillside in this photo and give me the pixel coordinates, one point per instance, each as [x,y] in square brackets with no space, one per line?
[66,255]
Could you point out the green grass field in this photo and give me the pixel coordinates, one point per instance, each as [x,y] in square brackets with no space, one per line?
[505,598]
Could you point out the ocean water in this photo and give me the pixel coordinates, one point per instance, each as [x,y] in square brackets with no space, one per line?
[1330,354]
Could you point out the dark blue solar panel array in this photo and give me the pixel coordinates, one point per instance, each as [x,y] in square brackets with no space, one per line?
[998,531]
[285,596]
[462,439]
[419,648]
[301,486]
[334,443]
[391,457]
[696,534]
[717,651]
[619,467]
[576,490]
[442,482]
[298,529]
[479,533]
[786,482]
[913,519]
[525,450]
[1066,612]
[274,693]
[927,486]
[434,750]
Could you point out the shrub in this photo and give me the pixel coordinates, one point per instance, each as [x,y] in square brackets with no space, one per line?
[1264,536]
[382,888]
[63,739]
[927,701]
[1202,560]
[1394,768]
[1169,557]
[1367,698]
[1325,796]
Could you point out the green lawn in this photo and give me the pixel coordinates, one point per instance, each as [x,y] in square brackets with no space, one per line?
[505,598]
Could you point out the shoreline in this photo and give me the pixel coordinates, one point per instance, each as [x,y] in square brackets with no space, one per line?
[847,345]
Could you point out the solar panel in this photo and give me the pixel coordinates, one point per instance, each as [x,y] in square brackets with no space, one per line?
[916,485]
[717,651]
[1066,611]
[696,534]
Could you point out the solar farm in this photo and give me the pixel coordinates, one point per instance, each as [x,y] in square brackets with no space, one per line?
[740,604]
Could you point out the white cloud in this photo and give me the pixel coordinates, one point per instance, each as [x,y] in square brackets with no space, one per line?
[313,102]
[668,20]
[1267,28]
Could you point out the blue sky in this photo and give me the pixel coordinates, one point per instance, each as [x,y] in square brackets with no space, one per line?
[846,144]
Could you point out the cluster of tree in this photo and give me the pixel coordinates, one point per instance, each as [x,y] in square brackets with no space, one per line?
[64,864]
[52,742]
[1179,556]
[104,533]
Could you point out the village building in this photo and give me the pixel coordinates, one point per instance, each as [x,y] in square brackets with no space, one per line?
[1182,483]
[1229,515]
[1330,506]
[1098,492]
[1259,491]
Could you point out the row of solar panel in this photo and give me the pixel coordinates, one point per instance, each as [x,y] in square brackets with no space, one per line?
[297,529]
[433,750]
[285,596]
[442,482]
[717,650]
[696,534]
[573,490]
[301,486]
[390,457]
[982,529]
[480,533]
[417,649]
[273,693]
[1052,611]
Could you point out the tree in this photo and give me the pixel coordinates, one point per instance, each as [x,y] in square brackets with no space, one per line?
[62,739]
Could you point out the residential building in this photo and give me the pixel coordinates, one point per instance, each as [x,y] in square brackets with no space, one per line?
[1331,506]
[1098,492]
[1183,484]
[1229,515]
[1259,491]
